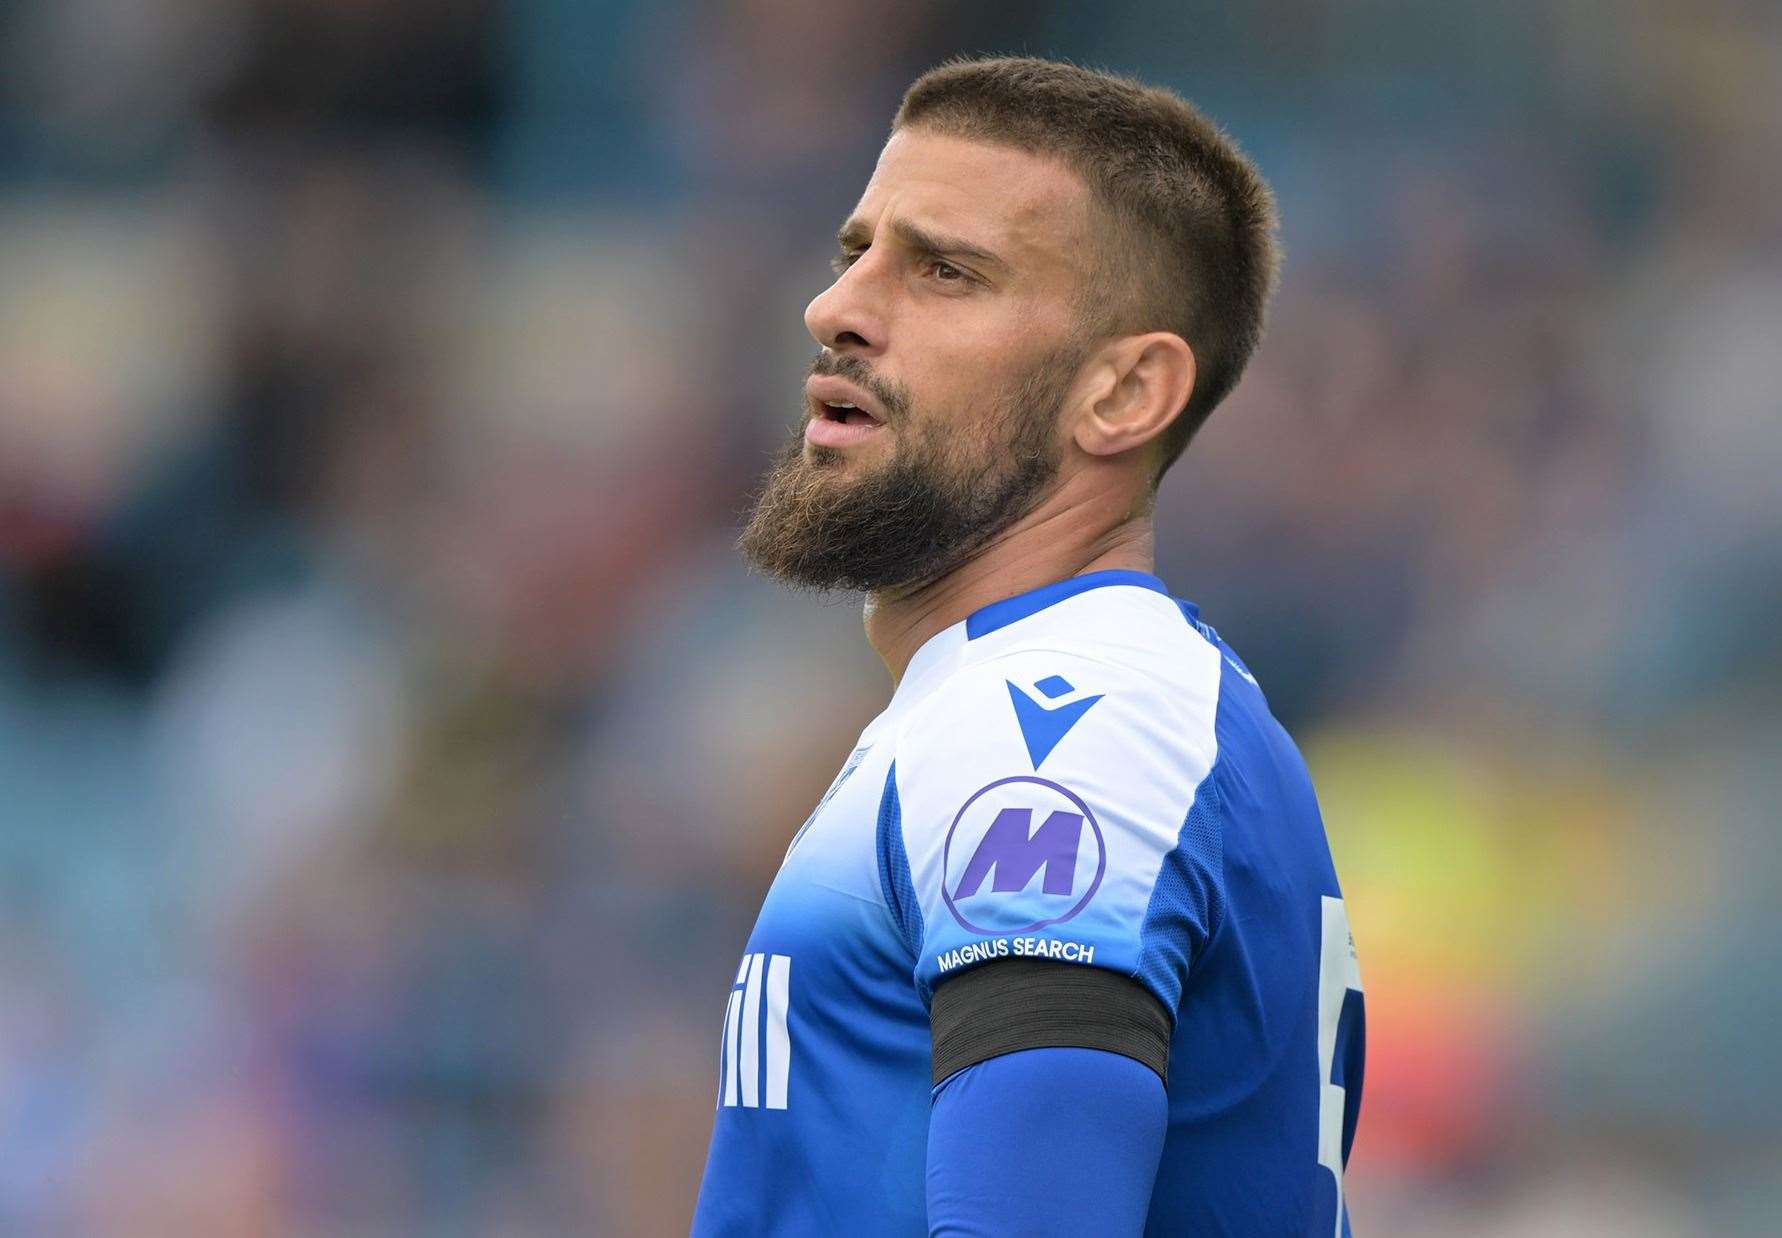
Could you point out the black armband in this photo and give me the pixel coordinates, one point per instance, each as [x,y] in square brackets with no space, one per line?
[1015,1004]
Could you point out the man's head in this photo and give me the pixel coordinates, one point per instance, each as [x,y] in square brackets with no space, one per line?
[1054,274]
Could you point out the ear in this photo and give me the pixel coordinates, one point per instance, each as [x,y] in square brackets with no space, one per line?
[1141,384]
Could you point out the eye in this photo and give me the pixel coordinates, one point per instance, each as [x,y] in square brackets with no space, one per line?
[946,272]
[844,260]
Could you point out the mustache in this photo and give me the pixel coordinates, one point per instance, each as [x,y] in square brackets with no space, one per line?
[842,365]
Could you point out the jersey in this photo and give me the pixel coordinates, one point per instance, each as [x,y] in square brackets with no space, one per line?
[1085,774]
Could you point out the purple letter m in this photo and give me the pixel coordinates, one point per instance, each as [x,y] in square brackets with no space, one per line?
[1016,857]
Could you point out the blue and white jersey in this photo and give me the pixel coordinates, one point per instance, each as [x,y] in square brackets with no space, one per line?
[1085,774]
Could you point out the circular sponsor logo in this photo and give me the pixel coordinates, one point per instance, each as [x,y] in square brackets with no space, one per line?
[1022,853]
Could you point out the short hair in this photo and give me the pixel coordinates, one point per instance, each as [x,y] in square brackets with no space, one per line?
[1190,245]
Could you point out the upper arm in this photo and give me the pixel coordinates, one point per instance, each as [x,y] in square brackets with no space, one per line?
[1045,1142]
[1044,810]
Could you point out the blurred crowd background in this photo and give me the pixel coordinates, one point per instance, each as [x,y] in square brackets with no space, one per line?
[393,752]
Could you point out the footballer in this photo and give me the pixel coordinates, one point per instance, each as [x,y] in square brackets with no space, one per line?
[1061,951]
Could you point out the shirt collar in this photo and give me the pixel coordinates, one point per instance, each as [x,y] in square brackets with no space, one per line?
[997,615]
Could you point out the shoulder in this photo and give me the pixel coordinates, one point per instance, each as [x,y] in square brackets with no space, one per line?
[1111,674]
[1040,788]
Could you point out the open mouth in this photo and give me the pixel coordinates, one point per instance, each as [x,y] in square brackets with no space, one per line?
[846,414]
[842,414]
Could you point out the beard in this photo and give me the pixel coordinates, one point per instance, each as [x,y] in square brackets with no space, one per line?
[947,490]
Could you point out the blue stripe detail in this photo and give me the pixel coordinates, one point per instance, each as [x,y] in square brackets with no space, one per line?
[1348,1063]
[1009,610]
[894,868]
[1188,900]
[1192,614]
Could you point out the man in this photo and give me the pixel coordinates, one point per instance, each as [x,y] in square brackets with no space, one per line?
[1061,951]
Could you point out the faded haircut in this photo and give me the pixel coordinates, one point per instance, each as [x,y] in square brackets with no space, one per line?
[1188,236]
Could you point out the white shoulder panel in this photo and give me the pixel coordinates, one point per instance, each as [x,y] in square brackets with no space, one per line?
[1041,787]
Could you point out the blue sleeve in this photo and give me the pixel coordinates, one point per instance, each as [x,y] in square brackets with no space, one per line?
[1045,1142]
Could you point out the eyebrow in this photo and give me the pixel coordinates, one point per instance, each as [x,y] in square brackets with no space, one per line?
[923,240]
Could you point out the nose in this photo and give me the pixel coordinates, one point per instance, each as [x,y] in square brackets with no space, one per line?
[845,317]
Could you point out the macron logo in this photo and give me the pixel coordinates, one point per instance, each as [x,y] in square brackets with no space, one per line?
[1042,726]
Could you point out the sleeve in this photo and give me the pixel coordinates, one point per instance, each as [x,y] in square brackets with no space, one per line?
[1055,808]
[1045,1142]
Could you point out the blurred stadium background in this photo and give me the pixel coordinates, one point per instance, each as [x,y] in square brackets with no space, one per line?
[393,752]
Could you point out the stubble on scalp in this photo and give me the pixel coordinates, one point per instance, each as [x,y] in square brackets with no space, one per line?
[947,491]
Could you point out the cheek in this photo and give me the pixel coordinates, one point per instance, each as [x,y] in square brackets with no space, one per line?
[965,394]
[962,397]
[983,408]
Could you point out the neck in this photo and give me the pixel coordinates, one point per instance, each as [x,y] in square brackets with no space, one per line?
[1068,535]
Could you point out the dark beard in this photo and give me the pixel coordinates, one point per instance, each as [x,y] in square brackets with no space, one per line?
[945,493]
